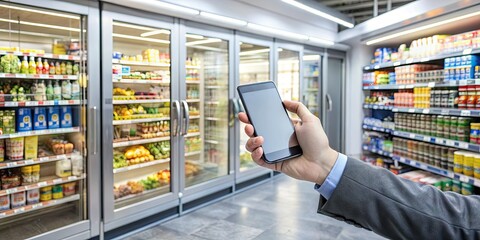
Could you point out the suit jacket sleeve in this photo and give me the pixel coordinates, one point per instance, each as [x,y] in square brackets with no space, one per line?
[376,199]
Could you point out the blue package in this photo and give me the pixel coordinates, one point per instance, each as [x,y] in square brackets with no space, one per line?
[40,119]
[24,119]
[53,117]
[66,117]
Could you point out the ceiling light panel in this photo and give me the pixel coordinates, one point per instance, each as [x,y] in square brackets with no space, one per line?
[155,32]
[140,38]
[194,36]
[223,19]
[318,13]
[206,41]
[39,11]
[278,32]
[41,25]
[171,7]
[321,41]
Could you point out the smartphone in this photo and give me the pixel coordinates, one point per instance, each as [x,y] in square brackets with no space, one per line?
[270,119]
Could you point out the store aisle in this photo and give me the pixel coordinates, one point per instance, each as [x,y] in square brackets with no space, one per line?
[280,209]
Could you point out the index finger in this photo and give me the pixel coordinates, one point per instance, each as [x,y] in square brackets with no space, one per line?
[243,117]
[298,108]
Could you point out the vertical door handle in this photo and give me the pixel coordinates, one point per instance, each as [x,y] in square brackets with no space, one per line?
[93,114]
[329,102]
[240,105]
[186,117]
[234,110]
[176,118]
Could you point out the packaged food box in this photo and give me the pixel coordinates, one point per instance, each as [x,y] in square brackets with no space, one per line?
[40,119]
[69,189]
[14,148]
[66,117]
[31,147]
[24,119]
[2,150]
[4,202]
[18,199]
[33,196]
[53,117]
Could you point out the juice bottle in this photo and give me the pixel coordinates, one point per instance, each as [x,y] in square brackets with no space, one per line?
[24,66]
[49,91]
[69,68]
[39,68]
[76,69]
[75,90]
[58,70]
[32,66]
[40,91]
[57,91]
[46,67]
[63,68]
[52,68]
[66,90]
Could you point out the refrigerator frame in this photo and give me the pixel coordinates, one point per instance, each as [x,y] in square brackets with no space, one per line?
[256,172]
[89,227]
[203,189]
[322,53]
[112,218]
[291,47]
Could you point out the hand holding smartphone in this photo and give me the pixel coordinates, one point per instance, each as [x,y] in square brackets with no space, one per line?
[270,120]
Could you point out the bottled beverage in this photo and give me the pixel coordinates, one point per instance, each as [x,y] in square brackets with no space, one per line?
[58,70]
[49,91]
[69,68]
[46,67]
[32,66]
[66,90]
[40,91]
[63,68]
[52,68]
[39,68]
[24,66]
[75,90]
[57,91]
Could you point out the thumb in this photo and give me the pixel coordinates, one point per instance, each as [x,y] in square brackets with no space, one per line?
[297,108]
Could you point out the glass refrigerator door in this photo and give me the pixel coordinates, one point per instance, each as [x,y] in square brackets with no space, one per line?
[254,67]
[206,108]
[288,80]
[311,78]
[42,121]
[141,113]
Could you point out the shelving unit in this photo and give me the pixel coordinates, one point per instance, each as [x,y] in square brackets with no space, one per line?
[439,141]
[27,162]
[45,181]
[37,76]
[141,165]
[378,129]
[37,206]
[140,141]
[377,151]
[141,120]
[41,103]
[118,102]
[41,132]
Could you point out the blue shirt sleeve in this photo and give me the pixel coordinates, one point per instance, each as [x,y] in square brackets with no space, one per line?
[330,183]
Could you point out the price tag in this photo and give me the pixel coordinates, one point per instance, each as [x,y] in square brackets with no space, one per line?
[449,142]
[463,145]
[409,60]
[43,75]
[20,75]
[426,138]
[10,191]
[376,67]
[426,111]
[43,159]
[11,164]
[376,87]
[431,84]
[438,141]
[42,184]
[463,83]
[72,178]
[411,110]
[409,86]
[11,104]
[58,180]
[467,51]
[19,210]
[3,214]
[63,57]
[396,63]
[375,107]
[463,178]
[30,161]
[31,103]
[465,113]
[444,112]
[424,59]
[401,86]
[411,135]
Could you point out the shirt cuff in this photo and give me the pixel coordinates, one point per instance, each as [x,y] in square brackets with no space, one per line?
[330,183]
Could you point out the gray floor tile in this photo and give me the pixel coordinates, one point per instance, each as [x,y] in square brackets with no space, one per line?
[254,218]
[222,230]
[160,232]
[220,210]
[189,223]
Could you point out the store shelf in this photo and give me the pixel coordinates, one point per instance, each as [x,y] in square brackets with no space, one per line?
[430,84]
[194,117]
[420,60]
[438,141]
[192,67]
[38,76]
[41,103]
[311,90]
[193,100]
[141,165]
[214,87]
[440,111]
[193,153]
[437,170]
[213,119]
[44,55]
[41,132]
[140,101]
[376,106]
[192,81]
[40,205]
[212,102]
[140,81]
[48,181]
[310,76]
[142,120]
[195,134]
[378,129]
[138,142]
[377,151]
[125,198]
[116,61]
[212,141]
[26,162]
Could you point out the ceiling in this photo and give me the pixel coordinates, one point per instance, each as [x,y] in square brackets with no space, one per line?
[361,10]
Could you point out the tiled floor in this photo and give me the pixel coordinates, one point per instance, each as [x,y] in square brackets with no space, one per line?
[280,209]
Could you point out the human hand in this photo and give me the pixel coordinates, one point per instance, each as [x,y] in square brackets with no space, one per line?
[317,159]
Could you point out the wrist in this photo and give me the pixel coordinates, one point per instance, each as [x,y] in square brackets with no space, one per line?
[326,164]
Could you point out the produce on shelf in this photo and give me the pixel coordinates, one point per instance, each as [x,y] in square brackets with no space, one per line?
[193,111]
[119,160]
[160,150]
[156,75]
[20,91]
[147,56]
[192,169]
[193,144]
[123,94]
[137,154]
[137,111]
[380,98]
[9,63]
[151,182]
[154,129]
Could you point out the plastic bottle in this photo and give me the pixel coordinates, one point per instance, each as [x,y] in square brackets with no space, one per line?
[58,69]
[63,68]
[57,91]
[40,91]
[52,68]
[39,68]
[69,68]
[76,69]
[49,91]
[46,67]
[32,66]
[75,90]
[66,90]
[24,66]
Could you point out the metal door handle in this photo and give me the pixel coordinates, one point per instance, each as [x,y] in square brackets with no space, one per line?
[176,118]
[186,117]
[93,113]
[234,110]
[240,105]
[329,102]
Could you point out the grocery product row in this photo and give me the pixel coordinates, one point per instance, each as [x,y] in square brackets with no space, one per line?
[10,63]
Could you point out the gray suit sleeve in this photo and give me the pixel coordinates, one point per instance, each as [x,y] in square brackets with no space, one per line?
[376,199]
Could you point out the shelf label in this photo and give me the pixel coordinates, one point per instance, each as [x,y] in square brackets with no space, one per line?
[411,110]
[426,138]
[411,135]
[444,112]
[449,142]
[19,210]
[30,161]
[58,180]
[426,111]
[11,164]
[409,60]
[431,84]
[375,107]
[467,51]
[396,63]
[438,141]
[63,57]
[409,86]
[42,184]
[376,67]
[9,191]
[424,59]
[463,178]
[20,75]
[463,82]
[465,113]
[401,87]
[463,145]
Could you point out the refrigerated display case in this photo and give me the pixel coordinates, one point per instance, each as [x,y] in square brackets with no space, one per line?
[312,65]
[288,73]
[255,58]
[204,91]
[44,162]
[138,129]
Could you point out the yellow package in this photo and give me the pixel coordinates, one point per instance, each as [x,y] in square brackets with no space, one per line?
[31,147]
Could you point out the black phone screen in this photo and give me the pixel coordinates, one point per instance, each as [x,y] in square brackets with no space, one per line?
[270,120]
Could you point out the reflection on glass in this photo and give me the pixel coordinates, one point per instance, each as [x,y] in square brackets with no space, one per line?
[206,144]
[254,67]
[288,82]
[32,42]
[311,77]
[141,113]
